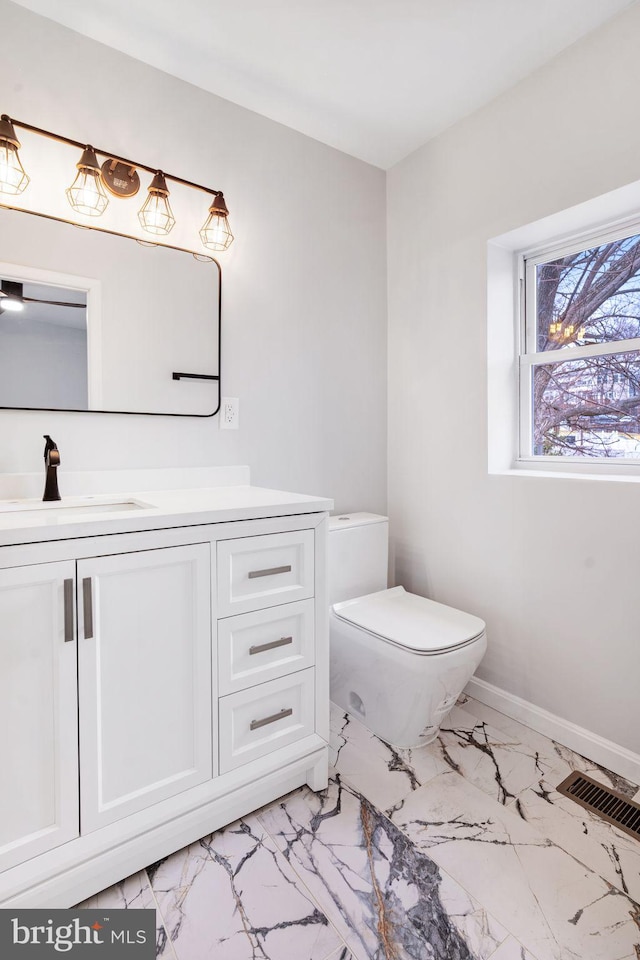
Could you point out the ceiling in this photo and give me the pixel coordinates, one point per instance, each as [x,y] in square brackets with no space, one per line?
[374,78]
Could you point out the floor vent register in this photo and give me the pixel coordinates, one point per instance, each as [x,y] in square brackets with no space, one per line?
[608,804]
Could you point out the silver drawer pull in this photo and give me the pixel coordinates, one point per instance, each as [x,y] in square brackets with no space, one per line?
[87,608]
[261,647]
[253,574]
[255,724]
[68,611]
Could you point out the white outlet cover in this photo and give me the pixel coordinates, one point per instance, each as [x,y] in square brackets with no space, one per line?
[229,413]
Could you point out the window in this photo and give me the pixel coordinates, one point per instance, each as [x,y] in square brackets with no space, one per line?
[580,367]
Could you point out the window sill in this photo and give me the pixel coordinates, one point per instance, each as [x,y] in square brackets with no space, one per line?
[524,468]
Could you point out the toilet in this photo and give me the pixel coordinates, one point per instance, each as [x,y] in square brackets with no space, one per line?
[398,661]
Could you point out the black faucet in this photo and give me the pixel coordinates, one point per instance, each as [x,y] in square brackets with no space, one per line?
[52,461]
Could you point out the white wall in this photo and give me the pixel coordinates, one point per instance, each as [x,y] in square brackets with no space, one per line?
[552,565]
[304,286]
[42,363]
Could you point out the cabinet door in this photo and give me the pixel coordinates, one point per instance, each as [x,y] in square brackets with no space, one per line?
[257,721]
[144,650]
[264,645]
[259,572]
[38,711]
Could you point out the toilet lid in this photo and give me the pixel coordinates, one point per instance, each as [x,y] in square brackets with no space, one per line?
[410,621]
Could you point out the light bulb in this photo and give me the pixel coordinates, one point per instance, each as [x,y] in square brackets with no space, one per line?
[86,194]
[156,215]
[13,178]
[216,232]
[10,305]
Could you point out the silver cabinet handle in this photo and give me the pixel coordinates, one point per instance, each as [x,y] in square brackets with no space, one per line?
[68,611]
[269,572]
[261,647]
[87,608]
[272,719]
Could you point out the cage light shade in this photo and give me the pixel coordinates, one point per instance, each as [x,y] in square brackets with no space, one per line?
[156,215]
[86,194]
[216,232]
[13,179]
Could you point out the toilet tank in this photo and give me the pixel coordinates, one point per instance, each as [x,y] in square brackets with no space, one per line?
[358,551]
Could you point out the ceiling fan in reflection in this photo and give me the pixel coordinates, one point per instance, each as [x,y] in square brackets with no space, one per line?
[12,298]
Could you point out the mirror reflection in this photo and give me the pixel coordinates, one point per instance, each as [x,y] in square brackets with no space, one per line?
[91,320]
[43,346]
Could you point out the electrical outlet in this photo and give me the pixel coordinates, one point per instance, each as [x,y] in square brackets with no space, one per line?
[229,413]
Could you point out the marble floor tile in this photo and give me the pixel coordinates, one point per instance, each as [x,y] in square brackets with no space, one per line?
[382,773]
[501,766]
[232,896]
[554,905]
[343,953]
[606,850]
[512,950]
[386,898]
[558,758]
[134,893]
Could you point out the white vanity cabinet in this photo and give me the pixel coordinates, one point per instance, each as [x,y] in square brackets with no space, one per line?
[134,677]
[154,686]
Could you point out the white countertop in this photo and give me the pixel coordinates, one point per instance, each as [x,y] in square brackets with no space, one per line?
[31,521]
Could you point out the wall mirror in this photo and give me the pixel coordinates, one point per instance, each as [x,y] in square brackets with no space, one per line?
[107,324]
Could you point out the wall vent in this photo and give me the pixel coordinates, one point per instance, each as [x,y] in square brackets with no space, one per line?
[608,804]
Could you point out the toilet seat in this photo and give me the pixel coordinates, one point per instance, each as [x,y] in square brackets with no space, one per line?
[413,623]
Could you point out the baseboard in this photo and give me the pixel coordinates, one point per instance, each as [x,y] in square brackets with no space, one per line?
[608,754]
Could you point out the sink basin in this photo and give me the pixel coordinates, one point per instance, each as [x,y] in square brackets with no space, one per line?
[69,509]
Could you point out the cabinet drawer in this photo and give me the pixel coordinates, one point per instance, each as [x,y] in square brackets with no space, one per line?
[260,646]
[256,721]
[258,572]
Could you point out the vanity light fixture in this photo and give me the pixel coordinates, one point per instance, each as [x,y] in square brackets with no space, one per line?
[120,177]
[216,233]
[13,178]
[155,215]
[86,194]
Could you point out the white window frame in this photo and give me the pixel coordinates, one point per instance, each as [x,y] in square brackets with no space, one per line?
[529,357]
